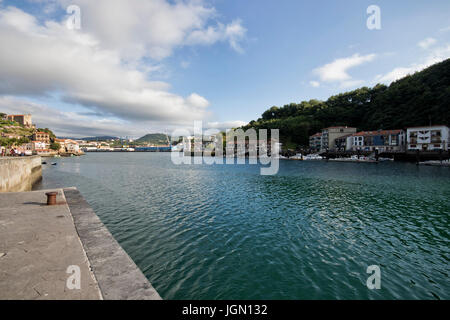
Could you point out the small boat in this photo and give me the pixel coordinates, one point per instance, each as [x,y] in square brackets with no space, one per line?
[54,164]
[298,156]
[311,157]
[43,162]
[355,159]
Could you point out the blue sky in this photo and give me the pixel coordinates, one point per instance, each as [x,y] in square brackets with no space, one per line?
[226,61]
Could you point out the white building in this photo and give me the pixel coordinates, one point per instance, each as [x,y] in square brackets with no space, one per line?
[39,146]
[72,146]
[427,138]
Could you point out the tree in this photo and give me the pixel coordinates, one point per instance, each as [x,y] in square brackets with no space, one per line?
[55,146]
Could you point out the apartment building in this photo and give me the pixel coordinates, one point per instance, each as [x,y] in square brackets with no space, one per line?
[329,136]
[427,138]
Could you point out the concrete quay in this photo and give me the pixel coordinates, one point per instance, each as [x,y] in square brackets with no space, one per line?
[42,246]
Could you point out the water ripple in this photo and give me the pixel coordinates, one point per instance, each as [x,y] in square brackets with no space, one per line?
[225,232]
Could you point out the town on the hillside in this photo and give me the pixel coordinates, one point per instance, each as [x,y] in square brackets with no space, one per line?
[20,137]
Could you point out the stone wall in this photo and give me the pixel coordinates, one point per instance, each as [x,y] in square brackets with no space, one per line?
[19,173]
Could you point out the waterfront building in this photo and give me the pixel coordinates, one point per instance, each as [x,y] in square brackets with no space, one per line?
[41,136]
[315,142]
[24,149]
[72,146]
[330,134]
[381,140]
[22,119]
[62,144]
[428,138]
[343,143]
[40,147]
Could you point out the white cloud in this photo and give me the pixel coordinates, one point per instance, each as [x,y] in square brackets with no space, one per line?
[233,33]
[197,101]
[446,29]
[185,64]
[67,123]
[338,69]
[102,67]
[154,28]
[434,56]
[225,125]
[48,59]
[426,43]
[314,84]
[84,124]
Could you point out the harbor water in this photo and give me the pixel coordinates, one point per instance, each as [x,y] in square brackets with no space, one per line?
[309,232]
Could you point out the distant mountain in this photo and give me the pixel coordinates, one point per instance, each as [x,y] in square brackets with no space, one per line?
[102,138]
[153,138]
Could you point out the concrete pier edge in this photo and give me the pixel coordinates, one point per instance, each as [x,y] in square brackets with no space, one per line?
[117,275]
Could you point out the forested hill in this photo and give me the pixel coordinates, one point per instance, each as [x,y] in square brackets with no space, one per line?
[418,99]
[153,138]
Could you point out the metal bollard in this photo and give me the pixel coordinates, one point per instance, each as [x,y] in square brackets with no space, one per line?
[51,198]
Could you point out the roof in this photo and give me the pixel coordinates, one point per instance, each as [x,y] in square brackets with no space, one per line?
[377,133]
[319,134]
[347,135]
[339,127]
[70,141]
[41,132]
[432,126]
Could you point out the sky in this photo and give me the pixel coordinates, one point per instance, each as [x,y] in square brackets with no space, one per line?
[130,67]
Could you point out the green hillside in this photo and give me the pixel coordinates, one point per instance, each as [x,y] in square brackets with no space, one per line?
[153,139]
[418,99]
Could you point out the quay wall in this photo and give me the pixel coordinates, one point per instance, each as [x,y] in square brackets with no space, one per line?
[19,174]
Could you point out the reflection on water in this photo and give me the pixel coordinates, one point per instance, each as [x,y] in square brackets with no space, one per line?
[310,232]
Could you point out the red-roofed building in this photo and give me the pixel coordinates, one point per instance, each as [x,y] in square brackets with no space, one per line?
[381,140]
[41,136]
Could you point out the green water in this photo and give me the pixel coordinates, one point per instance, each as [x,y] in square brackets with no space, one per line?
[310,232]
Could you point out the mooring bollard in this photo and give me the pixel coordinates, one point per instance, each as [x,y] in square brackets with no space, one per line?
[51,198]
